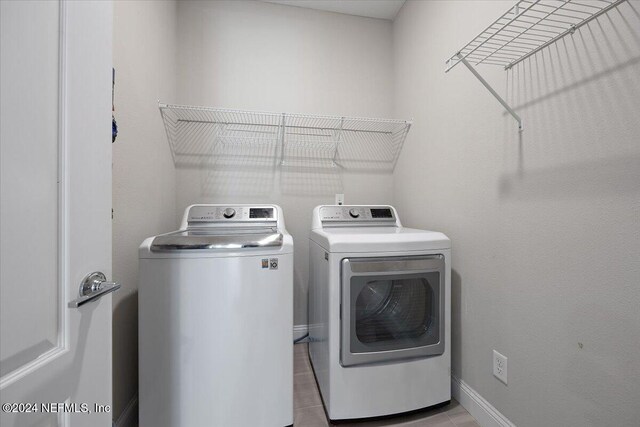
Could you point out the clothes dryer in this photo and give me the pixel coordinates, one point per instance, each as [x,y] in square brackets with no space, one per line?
[379,312]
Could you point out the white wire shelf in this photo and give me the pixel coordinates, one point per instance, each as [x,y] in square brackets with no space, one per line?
[528,27]
[525,29]
[205,136]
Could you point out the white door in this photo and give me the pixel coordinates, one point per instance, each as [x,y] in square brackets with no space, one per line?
[55,360]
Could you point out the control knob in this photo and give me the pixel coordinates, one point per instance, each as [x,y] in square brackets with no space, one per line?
[354,213]
[229,213]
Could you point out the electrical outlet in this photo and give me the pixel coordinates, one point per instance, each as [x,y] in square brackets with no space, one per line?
[500,366]
[339,199]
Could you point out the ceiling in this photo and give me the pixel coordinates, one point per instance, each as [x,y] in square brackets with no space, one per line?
[382,9]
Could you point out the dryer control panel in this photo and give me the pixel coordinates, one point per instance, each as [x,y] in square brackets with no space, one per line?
[357,215]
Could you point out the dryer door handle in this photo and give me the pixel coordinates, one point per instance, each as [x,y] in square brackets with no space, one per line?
[400,264]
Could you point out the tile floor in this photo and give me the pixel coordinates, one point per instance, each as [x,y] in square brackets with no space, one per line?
[308,410]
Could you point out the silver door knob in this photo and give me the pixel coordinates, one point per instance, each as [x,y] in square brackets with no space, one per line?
[93,286]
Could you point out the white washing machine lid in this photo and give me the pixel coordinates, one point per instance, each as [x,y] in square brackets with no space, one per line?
[203,238]
[223,230]
[379,239]
[216,246]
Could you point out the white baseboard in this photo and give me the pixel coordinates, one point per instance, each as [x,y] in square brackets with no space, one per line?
[129,416]
[477,406]
[299,331]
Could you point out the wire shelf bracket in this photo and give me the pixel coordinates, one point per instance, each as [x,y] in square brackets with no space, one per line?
[493,92]
[204,136]
[522,31]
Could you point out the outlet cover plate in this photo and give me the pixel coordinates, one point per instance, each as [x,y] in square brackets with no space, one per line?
[500,366]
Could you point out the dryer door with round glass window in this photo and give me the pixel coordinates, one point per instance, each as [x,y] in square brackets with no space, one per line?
[392,308]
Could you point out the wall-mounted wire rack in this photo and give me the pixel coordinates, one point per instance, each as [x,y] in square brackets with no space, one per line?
[524,30]
[198,134]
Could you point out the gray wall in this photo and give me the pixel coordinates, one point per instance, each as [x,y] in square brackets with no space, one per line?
[546,227]
[144,52]
[268,57]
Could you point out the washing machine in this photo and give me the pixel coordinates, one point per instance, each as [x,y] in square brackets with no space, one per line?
[379,312]
[215,307]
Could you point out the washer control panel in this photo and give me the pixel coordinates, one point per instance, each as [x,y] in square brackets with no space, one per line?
[199,215]
[354,215]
